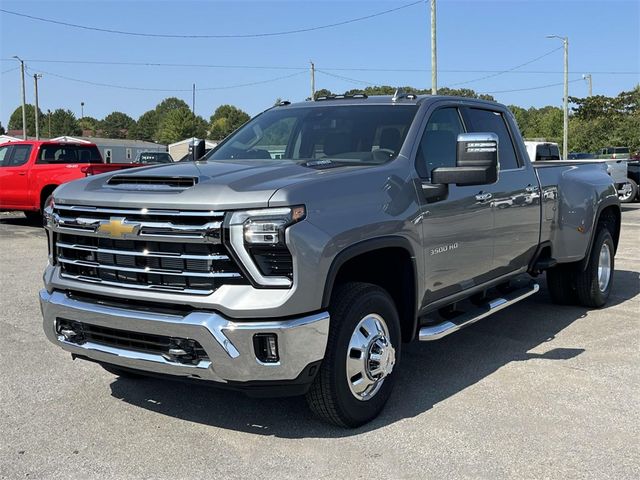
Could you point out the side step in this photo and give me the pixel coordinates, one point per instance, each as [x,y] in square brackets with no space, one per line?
[436,332]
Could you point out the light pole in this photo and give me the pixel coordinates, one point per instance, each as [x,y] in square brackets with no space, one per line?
[565,130]
[587,77]
[434,55]
[49,118]
[37,76]
[24,112]
[81,110]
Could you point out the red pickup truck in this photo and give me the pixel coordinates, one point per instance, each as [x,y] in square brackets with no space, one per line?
[31,170]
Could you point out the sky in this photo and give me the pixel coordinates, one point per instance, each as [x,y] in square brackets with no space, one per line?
[475,39]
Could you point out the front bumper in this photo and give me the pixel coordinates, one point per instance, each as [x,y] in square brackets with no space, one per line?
[229,344]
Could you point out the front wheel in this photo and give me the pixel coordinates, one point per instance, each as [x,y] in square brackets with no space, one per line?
[630,193]
[356,377]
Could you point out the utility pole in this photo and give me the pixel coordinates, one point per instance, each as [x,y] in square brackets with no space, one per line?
[434,55]
[565,129]
[24,101]
[313,81]
[587,77]
[193,100]
[37,76]
[49,118]
[81,110]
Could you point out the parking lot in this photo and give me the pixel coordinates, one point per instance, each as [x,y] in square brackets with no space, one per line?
[536,391]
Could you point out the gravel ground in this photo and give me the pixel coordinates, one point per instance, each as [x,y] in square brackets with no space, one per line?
[536,391]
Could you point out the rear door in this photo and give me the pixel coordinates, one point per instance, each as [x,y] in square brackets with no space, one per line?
[14,179]
[458,229]
[516,199]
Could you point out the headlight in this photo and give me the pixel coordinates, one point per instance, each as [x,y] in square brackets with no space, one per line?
[258,239]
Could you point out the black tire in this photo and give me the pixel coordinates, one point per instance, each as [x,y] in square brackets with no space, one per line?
[330,396]
[561,282]
[121,372]
[34,218]
[589,291]
[634,192]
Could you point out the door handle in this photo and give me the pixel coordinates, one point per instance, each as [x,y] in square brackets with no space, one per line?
[22,174]
[483,197]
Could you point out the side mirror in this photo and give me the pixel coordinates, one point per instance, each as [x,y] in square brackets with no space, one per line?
[476,161]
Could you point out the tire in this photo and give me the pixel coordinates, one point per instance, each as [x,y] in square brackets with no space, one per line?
[631,197]
[121,372]
[34,218]
[561,282]
[332,396]
[593,285]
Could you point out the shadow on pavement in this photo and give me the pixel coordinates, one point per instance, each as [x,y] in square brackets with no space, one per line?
[429,373]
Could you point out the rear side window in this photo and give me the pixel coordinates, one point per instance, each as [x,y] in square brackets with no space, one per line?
[68,154]
[439,140]
[488,121]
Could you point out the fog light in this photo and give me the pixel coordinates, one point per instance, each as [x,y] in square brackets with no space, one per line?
[266,347]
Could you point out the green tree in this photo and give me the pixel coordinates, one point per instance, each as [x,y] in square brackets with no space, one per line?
[91,124]
[63,122]
[2,131]
[171,103]
[147,126]
[225,120]
[15,121]
[116,125]
[179,124]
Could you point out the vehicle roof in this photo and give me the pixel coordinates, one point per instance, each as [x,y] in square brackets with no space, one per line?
[47,142]
[382,100]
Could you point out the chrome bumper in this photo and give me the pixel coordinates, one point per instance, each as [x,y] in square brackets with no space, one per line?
[229,344]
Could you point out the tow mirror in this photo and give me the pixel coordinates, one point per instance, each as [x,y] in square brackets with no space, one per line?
[476,161]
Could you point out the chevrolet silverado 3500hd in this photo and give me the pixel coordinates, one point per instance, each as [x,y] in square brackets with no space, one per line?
[301,253]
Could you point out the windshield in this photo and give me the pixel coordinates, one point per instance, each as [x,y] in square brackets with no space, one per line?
[343,134]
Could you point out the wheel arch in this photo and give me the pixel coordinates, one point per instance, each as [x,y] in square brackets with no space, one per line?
[608,214]
[388,262]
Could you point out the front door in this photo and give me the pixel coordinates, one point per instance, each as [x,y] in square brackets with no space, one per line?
[457,230]
[14,180]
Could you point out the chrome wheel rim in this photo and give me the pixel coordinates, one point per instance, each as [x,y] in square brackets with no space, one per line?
[604,267]
[370,357]
[627,190]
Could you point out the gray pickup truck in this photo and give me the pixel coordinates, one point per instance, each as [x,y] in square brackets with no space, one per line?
[302,252]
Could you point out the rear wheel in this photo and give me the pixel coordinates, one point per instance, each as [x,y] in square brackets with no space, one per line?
[593,285]
[356,379]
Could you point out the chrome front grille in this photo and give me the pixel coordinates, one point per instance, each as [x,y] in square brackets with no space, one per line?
[178,251]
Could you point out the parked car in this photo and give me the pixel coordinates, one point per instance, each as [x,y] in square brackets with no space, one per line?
[633,178]
[541,151]
[618,153]
[581,156]
[31,170]
[153,157]
[305,274]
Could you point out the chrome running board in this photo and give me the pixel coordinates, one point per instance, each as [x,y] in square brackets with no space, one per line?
[436,332]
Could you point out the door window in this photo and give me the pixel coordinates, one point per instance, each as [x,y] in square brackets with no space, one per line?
[489,121]
[439,141]
[20,155]
[5,156]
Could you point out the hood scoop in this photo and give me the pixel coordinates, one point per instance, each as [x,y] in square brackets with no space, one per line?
[155,183]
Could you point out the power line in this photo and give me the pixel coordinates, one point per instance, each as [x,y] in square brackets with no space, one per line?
[243,35]
[147,89]
[509,69]
[540,87]
[325,69]
[346,79]
[10,70]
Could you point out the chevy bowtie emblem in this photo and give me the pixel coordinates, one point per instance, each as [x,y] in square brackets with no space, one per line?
[116,228]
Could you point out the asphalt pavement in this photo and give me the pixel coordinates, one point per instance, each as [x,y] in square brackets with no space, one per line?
[535,391]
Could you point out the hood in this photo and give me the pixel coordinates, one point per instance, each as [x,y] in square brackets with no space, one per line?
[224,185]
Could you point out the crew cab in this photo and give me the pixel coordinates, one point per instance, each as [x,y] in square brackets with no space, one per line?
[304,250]
[31,170]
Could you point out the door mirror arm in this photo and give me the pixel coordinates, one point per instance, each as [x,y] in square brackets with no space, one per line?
[434,192]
